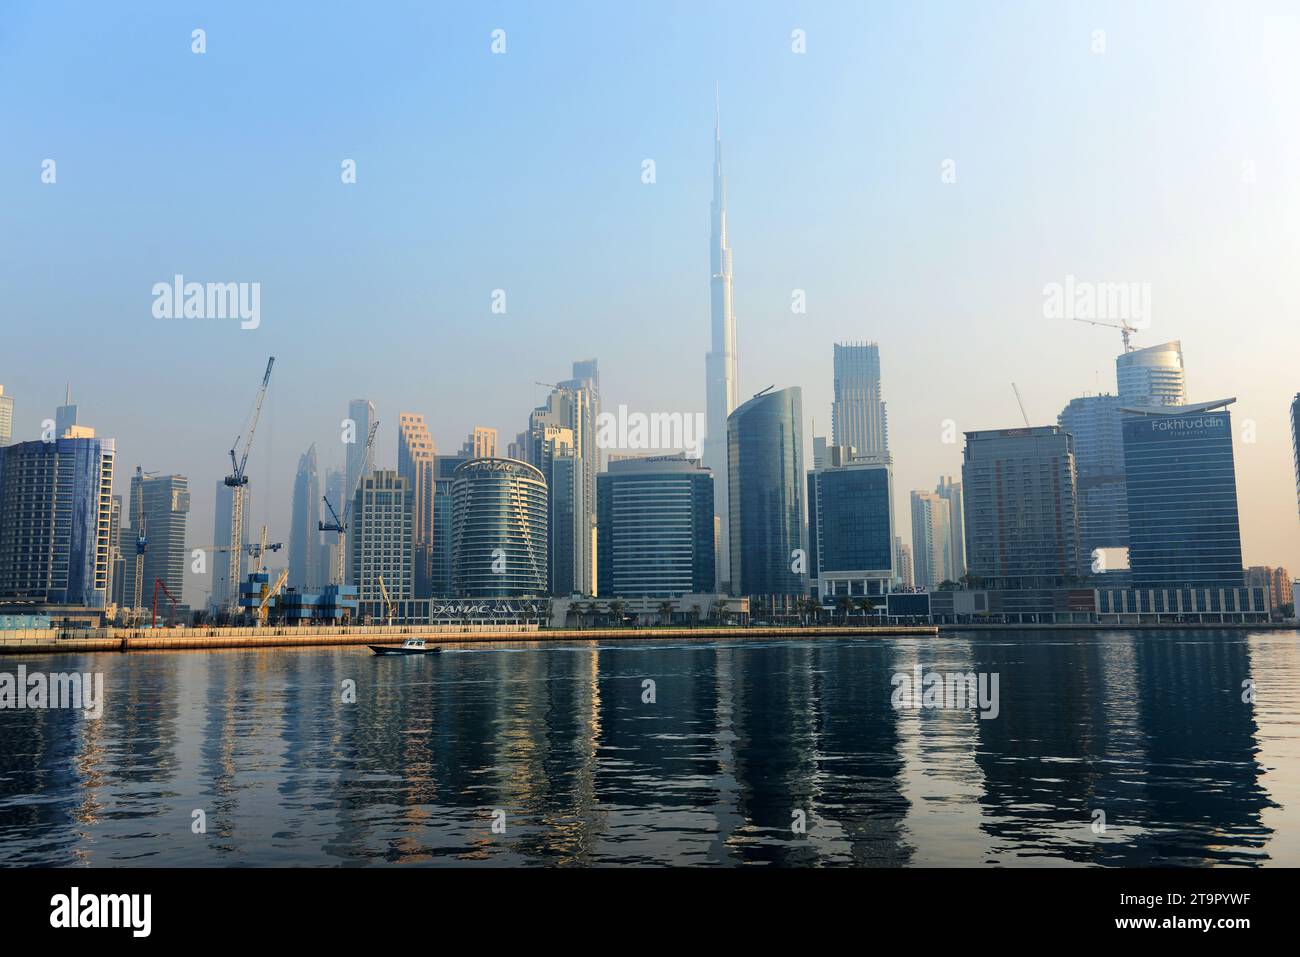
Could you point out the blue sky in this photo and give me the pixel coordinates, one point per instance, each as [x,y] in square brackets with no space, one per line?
[522,172]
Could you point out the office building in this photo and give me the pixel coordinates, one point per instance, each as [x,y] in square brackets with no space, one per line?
[499,529]
[416,456]
[562,445]
[481,443]
[655,520]
[766,474]
[931,547]
[950,492]
[1182,496]
[1022,526]
[585,389]
[56,505]
[1152,376]
[164,502]
[380,537]
[116,557]
[445,466]
[903,572]
[1094,422]
[304,525]
[851,525]
[858,417]
[1275,580]
[6,418]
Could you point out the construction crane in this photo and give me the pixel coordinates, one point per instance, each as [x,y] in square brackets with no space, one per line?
[236,481]
[340,525]
[388,602]
[1126,330]
[1021,403]
[159,583]
[263,608]
[254,550]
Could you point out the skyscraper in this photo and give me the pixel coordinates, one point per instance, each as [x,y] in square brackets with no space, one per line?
[562,430]
[931,540]
[481,443]
[380,537]
[721,370]
[304,531]
[950,492]
[1152,376]
[164,501]
[1094,421]
[1182,497]
[499,545]
[765,470]
[416,455]
[360,459]
[858,413]
[56,502]
[851,525]
[65,416]
[585,385]
[903,576]
[1022,527]
[6,418]
[328,564]
[655,517]
[445,470]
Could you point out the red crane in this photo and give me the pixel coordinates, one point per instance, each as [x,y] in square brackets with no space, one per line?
[158,583]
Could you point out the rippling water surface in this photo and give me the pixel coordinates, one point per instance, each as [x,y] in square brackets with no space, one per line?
[741,741]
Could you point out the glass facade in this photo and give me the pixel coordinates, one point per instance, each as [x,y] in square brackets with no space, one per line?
[1182,499]
[765,473]
[1019,497]
[56,510]
[499,529]
[1094,421]
[851,529]
[655,528]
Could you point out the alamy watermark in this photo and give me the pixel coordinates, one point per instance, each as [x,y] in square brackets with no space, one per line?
[39,691]
[657,431]
[955,690]
[211,300]
[1078,299]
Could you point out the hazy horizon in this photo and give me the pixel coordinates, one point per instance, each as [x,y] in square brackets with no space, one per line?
[1166,160]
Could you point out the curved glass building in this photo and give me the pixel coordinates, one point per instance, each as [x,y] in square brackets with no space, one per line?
[498,529]
[765,473]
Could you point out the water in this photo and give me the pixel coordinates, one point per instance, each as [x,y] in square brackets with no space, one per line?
[1148,728]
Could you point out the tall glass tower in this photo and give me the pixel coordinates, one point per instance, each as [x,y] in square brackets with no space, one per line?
[766,474]
[722,374]
[858,415]
[1182,497]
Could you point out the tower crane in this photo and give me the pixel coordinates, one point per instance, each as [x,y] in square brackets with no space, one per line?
[340,525]
[237,481]
[1126,330]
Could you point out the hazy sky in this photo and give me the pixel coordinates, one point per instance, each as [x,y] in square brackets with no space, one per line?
[1170,159]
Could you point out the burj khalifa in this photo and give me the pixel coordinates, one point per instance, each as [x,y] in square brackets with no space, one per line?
[721,373]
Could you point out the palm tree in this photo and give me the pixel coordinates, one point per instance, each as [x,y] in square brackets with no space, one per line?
[665,613]
[843,605]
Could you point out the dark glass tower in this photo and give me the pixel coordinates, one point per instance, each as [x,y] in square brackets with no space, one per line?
[765,472]
[1182,497]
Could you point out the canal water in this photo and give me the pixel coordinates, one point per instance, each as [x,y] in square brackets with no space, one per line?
[1106,749]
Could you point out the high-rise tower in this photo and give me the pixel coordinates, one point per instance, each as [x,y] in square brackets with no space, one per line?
[722,376]
[858,415]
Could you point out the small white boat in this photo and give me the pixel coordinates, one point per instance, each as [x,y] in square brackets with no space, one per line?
[412,646]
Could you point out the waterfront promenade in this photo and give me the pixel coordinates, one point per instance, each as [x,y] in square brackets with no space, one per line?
[176,639]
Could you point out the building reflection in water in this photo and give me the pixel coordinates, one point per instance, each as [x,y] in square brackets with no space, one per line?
[741,741]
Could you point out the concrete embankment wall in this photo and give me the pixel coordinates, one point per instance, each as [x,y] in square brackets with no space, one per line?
[173,639]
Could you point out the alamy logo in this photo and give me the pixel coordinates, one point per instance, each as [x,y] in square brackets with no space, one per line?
[657,431]
[134,911]
[1074,299]
[38,691]
[957,690]
[211,300]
